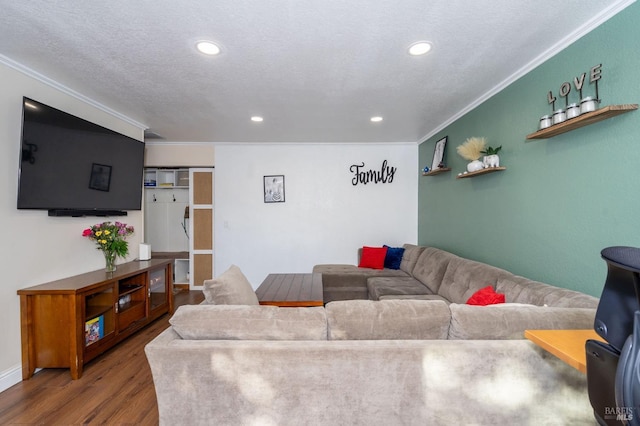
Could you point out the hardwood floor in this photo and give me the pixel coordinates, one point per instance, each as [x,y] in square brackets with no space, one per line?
[115,388]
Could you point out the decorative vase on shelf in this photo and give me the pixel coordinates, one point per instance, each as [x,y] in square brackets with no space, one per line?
[110,259]
[475,165]
[491,160]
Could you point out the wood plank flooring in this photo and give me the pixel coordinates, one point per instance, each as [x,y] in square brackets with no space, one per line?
[116,388]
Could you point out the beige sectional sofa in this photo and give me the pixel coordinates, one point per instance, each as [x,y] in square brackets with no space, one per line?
[428,273]
[416,355]
[353,363]
[431,273]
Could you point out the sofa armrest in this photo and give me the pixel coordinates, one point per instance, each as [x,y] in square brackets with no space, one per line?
[510,320]
[239,322]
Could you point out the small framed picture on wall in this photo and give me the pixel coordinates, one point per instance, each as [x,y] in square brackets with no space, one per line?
[438,154]
[100,177]
[274,189]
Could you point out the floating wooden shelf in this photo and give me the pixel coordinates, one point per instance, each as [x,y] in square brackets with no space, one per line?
[582,120]
[437,171]
[481,172]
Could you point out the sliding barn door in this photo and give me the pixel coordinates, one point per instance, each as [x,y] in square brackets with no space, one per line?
[200,226]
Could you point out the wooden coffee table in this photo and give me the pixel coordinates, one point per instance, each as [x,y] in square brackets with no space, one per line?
[291,290]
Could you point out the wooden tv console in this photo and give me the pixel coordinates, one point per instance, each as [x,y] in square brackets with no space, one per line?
[68,322]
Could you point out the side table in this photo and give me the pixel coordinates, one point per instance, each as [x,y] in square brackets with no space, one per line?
[568,345]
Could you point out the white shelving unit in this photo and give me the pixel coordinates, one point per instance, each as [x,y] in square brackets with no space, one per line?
[179,201]
[166,215]
[166,178]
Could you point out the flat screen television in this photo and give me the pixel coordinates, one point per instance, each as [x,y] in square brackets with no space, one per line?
[72,167]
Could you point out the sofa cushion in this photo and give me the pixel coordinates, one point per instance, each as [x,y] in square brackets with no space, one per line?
[230,288]
[233,322]
[382,286]
[372,257]
[410,257]
[387,319]
[414,297]
[331,270]
[485,296]
[523,290]
[431,266]
[393,257]
[464,277]
[509,321]
[345,282]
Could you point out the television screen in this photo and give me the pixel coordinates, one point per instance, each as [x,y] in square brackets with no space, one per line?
[71,166]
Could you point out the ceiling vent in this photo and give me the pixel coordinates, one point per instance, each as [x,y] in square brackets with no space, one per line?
[150,135]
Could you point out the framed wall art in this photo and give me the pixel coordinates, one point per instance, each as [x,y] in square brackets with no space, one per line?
[438,154]
[100,177]
[273,189]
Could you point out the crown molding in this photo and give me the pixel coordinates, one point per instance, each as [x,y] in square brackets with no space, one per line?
[68,91]
[539,60]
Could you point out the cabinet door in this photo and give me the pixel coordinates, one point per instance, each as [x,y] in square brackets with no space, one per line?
[201,226]
[158,290]
[132,301]
[98,320]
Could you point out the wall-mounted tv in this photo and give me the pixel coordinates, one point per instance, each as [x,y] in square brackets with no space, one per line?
[72,167]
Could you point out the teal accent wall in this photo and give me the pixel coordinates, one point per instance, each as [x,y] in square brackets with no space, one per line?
[561,200]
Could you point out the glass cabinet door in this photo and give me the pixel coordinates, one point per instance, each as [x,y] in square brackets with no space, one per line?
[99,319]
[157,288]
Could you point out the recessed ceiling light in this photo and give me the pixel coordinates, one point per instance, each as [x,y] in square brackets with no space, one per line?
[376,119]
[257,119]
[419,48]
[208,47]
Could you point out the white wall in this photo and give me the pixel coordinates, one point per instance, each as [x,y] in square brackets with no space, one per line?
[324,218]
[36,248]
[179,154]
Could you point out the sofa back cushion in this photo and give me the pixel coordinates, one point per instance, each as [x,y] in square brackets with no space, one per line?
[230,288]
[523,290]
[236,322]
[464,277]
[387,320]
[509,321]
[431,266]
[410,257]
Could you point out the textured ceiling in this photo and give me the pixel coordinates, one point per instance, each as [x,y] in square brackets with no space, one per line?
[315,70]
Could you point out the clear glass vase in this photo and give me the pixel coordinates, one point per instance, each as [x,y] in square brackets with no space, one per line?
[110,260]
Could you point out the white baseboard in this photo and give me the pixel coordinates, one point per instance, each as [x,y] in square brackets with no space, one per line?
[10,377]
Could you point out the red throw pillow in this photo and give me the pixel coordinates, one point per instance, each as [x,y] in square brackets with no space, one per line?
[372,257]
[486,296]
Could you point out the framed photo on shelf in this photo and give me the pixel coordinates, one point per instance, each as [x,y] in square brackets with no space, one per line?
[438,154]
[273,189]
